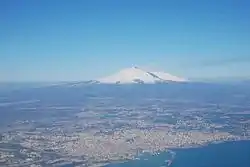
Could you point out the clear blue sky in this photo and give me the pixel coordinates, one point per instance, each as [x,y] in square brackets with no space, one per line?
[45,40]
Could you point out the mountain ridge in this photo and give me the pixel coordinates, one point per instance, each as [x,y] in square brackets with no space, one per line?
[136,75]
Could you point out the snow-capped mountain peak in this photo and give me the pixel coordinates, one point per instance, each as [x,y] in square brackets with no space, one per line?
[138,75]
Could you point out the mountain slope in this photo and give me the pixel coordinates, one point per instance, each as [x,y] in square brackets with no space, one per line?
[137,75]
[169,77]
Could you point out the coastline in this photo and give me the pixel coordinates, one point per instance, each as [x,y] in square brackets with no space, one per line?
[176,152]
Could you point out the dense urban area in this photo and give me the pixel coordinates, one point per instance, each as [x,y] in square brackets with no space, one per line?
[83,129]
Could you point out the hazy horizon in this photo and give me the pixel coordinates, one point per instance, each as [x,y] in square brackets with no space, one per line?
[84,40]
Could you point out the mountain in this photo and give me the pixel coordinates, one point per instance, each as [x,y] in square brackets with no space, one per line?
[169,77]
[140,76]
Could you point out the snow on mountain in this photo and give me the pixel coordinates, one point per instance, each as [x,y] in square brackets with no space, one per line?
[137,75]
[169,77]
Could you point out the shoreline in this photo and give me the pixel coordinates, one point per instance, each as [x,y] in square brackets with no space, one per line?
[174,151]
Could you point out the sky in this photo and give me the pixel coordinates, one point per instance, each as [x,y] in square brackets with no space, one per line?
[64,40]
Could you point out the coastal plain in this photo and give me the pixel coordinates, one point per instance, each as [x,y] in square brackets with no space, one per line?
[81,126]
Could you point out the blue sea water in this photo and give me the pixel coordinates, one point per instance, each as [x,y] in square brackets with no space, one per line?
[228,154]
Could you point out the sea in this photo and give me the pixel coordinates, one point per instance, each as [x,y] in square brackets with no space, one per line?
[227,154]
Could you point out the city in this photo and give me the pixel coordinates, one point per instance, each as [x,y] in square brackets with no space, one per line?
[106,130]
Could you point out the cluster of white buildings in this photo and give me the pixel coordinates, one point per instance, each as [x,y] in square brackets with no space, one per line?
[125,144]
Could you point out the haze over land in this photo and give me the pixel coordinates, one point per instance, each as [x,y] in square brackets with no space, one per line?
[70,95]
[97,124]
